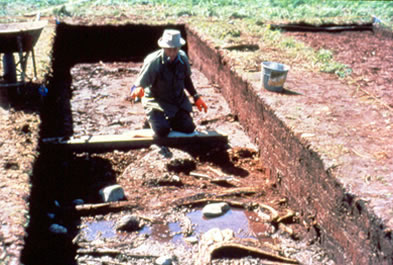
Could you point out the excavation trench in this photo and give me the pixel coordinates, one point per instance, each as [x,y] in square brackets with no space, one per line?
[93,68]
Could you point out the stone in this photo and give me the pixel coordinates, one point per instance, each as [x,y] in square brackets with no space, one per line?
[51,216]
[215,209]
[78,202]
[227,234]
[191,240]
[164,260]
[161,150]
[181,164]
[112,193]
[129,223]
[58,229]
[167,180]
[176,179]
[56,204]
[217,235]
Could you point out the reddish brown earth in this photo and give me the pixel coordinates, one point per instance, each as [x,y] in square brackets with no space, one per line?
[328,109]
[370,56]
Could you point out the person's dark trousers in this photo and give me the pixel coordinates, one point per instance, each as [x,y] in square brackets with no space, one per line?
[161,125]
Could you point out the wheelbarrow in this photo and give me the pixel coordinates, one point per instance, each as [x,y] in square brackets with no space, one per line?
[18,38]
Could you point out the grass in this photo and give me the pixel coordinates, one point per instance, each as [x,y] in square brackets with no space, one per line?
[314,11]
[229,21]
[329,65]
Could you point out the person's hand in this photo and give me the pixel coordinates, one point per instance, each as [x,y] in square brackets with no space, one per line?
[138,92]
[201,104]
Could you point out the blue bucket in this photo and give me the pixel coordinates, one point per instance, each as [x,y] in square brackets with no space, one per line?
[274,76]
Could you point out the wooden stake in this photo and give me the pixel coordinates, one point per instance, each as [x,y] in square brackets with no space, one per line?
[202,197]
[91,209]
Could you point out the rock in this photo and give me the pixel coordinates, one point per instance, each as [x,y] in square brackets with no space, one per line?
[215,209]
[58,229]
[191,240]
[168,180]
[78,202]
[217,235]
[164,260]
[129,223]
[209,242]
[181,161]
[176,179]
[112,193]
[162,151]
[56,204]
[51,216]
[227,234]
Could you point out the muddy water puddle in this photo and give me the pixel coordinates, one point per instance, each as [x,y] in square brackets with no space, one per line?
[98,230]
[245,224]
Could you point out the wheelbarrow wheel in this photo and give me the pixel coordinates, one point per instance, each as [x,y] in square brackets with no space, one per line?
[9,67]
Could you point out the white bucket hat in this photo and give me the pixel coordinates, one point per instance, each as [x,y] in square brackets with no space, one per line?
[171,38]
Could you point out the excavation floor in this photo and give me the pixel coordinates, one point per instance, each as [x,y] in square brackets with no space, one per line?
[167,192]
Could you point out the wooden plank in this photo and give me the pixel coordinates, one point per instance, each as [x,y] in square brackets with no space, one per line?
[134,139]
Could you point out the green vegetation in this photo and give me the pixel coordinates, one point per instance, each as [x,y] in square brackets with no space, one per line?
[228,21]
[315,11]
[327,64]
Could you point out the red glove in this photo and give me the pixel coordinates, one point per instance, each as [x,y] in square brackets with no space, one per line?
[201,104]
[138,92]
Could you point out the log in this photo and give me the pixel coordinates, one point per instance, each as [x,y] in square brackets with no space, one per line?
[209,200]
[221,181]
[112,252]
[242,47]
[224,182]
[319,28]
[200,175]
[273,213]
[92,209]
[202,197]
[134,139]
[286,229]
[289,214]
[252,250]
[240,191]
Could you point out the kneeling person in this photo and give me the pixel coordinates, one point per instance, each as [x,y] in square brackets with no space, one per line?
[161,83]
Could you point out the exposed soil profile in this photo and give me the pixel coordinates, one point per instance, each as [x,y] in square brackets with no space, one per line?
[167,191]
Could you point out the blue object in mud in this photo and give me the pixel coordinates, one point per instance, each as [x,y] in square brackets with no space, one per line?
[132,88]
[43,90]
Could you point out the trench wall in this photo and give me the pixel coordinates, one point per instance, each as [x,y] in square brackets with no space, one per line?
[341,222]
